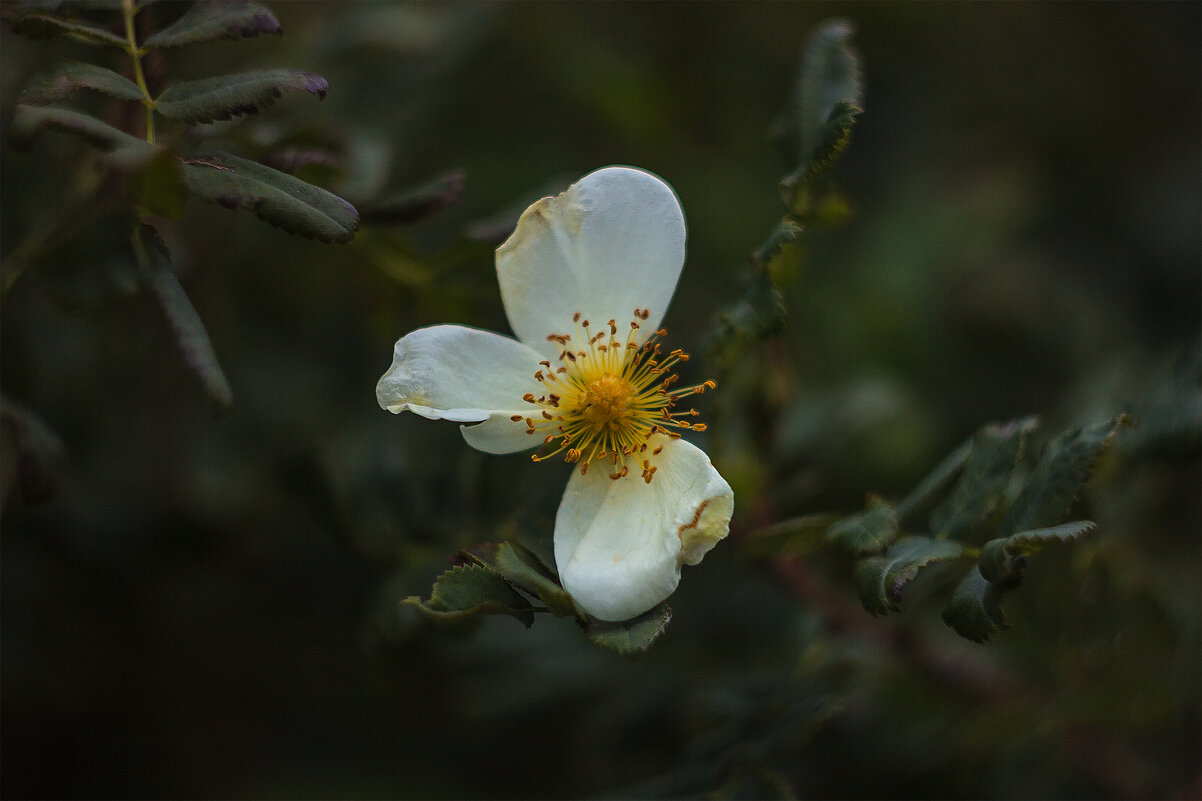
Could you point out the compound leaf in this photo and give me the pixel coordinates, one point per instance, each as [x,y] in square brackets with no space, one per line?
[208,21]
[275,197]
[630,636]
[473,590]
[1064,466]
[880,579]
[227,96]
[60,82]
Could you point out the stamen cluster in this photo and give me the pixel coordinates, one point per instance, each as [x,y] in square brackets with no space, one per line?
[609,399]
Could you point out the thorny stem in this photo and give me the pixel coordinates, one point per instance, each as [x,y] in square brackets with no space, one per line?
[128,12]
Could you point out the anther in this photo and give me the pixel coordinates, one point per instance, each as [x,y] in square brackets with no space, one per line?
[528,397]
[517,418]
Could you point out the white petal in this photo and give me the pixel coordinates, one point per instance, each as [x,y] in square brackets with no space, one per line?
[619,544]
[611,243]
[451,372]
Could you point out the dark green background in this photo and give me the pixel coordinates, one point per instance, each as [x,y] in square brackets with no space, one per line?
[208,605]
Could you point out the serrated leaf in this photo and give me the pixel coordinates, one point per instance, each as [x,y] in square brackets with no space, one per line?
[981,489]
[189,330]
[418,203]
[1005,557]
[630,636]
[832,141]
[935,485]
[867,532]
[60,82]
[830,76]
[44,26]
[1064,466]
[29,121]
[975,609]
[880,579]
[473,590]
[759,313]
[209,21]
[227,96]
[275,197]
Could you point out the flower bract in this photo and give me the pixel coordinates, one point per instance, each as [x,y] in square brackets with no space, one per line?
[586,279]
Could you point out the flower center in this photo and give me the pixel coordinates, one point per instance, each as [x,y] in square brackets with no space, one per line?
[609,399]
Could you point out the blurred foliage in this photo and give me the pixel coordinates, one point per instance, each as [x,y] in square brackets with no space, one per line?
[211,607]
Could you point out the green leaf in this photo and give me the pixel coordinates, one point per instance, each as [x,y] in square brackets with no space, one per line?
[880,578]
[31,455]
[473,590]
[208,21]
[981,490]
[1005,557]
[190,333]
[60,82]
[935,485]
[630,636]
[44,26]
[829,91]
[226,96]
[975,608]
[867,532]
[832,141]
[29,121]
[418,203]
[519,566]
[275,197]
[1063,468]
[759,313]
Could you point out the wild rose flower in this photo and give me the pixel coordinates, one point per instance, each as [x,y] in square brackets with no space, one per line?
[586,278]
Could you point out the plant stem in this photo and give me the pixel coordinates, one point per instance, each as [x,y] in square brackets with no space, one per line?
[128,12]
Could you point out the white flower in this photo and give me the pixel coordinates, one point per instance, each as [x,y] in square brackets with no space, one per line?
[586,278]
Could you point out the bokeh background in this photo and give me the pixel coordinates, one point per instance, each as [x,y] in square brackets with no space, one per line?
[207,605]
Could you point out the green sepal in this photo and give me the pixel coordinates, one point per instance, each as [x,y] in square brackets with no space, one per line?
[981,489]
[975,608]
[935,485]
[468,590]
[630,636]
[870,531]
[880,578]
[275,197]
[1064,466]
[520,566]
[38,25]
[61,81]
[1005,557]
[226,96]
[417,203]
[29,121]
[209,21]
[190,334]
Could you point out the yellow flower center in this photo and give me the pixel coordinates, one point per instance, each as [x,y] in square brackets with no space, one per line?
[610,400]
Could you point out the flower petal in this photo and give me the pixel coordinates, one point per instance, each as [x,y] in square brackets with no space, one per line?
[619,544]
[611,243]
[451,372]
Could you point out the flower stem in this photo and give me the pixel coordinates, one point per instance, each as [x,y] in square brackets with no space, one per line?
[128,12]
